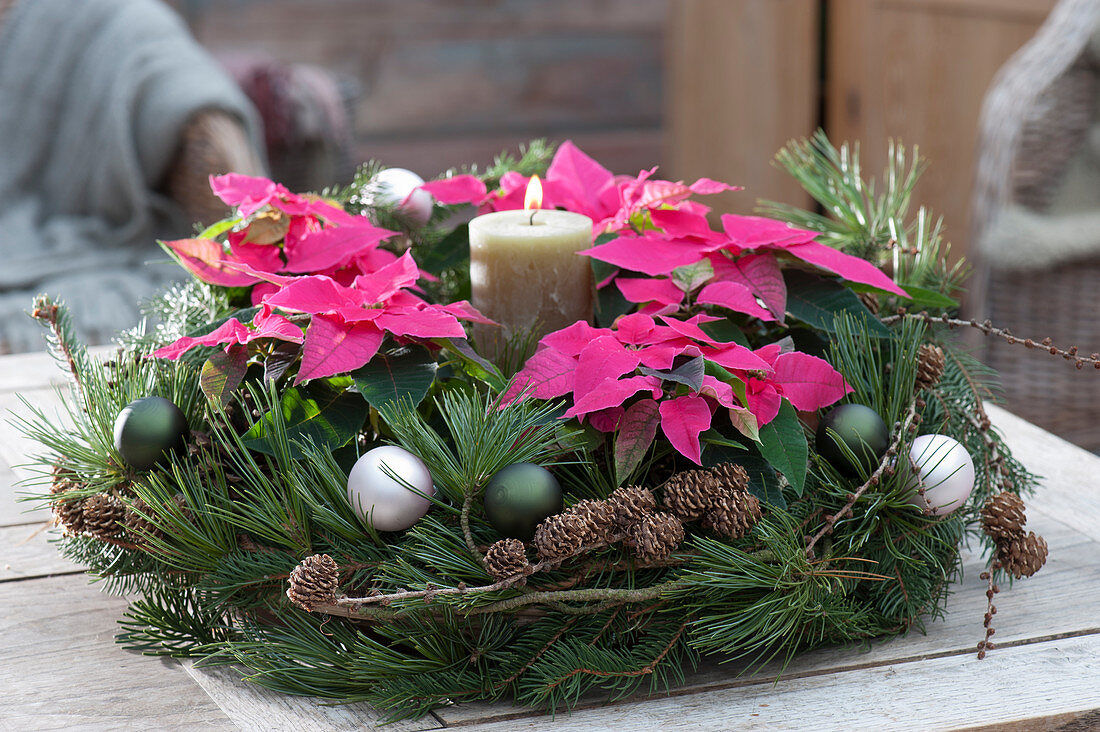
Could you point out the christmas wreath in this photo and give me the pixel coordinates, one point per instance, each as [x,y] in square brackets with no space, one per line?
[764,439]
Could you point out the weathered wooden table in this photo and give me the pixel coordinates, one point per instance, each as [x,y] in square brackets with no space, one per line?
[60,667]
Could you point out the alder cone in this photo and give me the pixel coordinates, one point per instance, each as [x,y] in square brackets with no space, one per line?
[506,558]
[734,515]
[103,515]
[314,581]
[631,503]
[690,493]
[1023,556]
[140,527]
[655,536]
[600,519]
[1003,516]
[561,535]
[930,365]
[731,475]
[69,512]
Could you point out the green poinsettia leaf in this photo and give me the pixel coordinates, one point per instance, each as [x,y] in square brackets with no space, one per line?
[402,373]
[922,297]
[689,373]
[223,372]
[636,432]
[783,444]
[817,302]
[318,412]
[691,276]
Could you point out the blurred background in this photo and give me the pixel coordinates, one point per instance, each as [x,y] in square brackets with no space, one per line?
[714,88]
[701,87]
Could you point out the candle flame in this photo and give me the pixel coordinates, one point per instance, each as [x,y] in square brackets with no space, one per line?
[533,199]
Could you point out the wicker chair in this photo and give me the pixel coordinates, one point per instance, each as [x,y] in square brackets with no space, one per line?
[1036,120]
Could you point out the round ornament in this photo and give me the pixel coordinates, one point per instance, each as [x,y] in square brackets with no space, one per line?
[146,429]
[400,187]
[519,497]
[858,428]
[383,501]
[945,469]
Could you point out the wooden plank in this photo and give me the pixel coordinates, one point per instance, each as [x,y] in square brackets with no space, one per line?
[742,81]
[12,512]
[1069,473]
[15,447]
[38,370]
[917,74]
[62,669]
[439,65]
[1034,683]
[256,709]
[1031,10]
[27,552]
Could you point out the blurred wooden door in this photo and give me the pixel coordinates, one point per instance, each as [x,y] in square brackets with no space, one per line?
[746,75]
[917,71]
[742,79]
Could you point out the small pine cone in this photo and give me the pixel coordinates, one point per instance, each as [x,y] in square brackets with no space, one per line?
[655,536]
[631,503]
[732,476]
[137,525]
[869,301]
[103,514]
[1023,556]
[930,365]
[1003,516]
[600,516]
[561,535]
[69,512]
[506,558]
[314,581]
[690,493]
[734,515]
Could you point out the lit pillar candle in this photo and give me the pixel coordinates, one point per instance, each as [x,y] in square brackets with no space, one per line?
[525,272]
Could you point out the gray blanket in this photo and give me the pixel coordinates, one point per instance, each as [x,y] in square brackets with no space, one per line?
[93,97]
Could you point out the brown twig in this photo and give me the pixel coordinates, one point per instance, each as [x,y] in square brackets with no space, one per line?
[876,477]
[987,327]
[991,610]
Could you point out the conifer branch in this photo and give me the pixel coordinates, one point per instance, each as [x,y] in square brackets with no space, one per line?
[885,466]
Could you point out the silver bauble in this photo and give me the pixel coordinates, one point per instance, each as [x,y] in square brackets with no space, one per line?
[946,471]
[380,500]
[401,188]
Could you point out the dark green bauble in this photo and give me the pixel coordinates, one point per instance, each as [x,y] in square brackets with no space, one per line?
[519,497]
[146,429]
[861,430]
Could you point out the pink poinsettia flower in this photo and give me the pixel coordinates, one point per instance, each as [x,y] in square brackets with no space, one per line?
[576,182]
[349,322]
[265,324]
[744,274]
[317,237]
[604,369]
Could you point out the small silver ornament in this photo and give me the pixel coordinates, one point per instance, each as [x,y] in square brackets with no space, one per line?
[945,470]
[400,188]
[380,500]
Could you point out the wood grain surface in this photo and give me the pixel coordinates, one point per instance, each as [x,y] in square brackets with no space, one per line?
[62,669]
